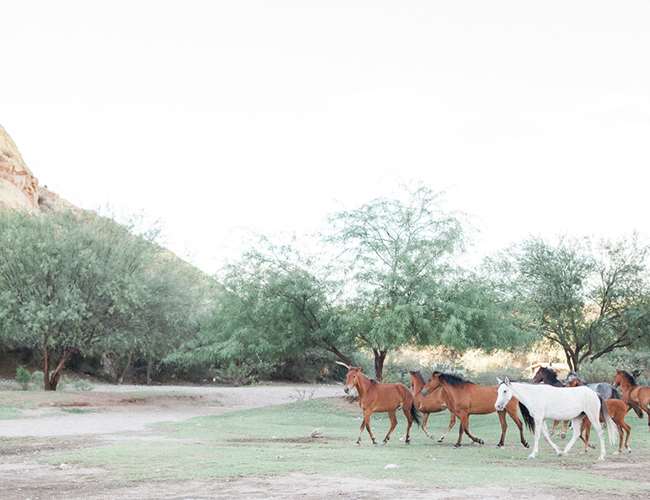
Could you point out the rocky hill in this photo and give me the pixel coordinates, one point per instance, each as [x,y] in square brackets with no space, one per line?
[19,188]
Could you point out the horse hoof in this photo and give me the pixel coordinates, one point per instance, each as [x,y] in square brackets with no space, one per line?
[629,450]
[480,441]
[526,445]
[531,456]
[616,452]
[601,459]
[440,440]
[563,436]
[457,445]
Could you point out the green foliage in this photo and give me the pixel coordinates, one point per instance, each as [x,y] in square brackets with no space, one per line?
[588,299]
[23,377]
[37,378]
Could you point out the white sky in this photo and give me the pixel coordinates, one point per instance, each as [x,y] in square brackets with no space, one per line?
[222,117]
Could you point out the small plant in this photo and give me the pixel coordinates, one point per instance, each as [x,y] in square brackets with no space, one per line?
[37,379]
[82,385]
[23,377]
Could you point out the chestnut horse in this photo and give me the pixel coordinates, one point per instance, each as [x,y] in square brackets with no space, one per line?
[433,402]
[633,393]
[616,409]
[383,398]
[548,376]
[465,398]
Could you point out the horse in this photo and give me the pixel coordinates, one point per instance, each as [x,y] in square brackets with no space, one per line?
[633,393]
[375,397]
[616,409]
[465,398]
[433,402]
[603,389]
[538,402]
[548,376]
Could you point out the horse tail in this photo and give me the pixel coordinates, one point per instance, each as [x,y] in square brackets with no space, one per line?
[415,415]
[528,418]
[612,430]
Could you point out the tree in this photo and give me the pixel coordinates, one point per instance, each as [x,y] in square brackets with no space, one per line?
[399,258]
[271,310]
[589,299]
[68,281]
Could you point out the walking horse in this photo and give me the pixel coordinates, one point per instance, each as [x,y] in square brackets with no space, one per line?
[375,397]
[634,394]
[538,402]
[465,398]
[433,402]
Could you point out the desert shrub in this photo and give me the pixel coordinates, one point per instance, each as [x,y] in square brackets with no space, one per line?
[489,377]
[37,379]
[23,377]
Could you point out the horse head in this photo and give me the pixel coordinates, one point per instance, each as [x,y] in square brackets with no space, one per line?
[351,377]
[504,394]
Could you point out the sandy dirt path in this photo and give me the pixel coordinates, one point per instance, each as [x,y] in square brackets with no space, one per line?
[159,404]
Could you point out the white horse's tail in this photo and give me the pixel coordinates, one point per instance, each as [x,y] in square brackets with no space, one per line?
[612,430]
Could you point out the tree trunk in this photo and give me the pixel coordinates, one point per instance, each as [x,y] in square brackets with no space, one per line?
[149,368]
[380,357]
[572,360]
[51,381]
[125,372]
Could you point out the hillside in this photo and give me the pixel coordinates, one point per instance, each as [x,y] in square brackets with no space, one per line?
[19,188]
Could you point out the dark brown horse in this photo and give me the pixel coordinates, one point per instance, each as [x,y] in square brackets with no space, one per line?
[380,398]
[465,398]
[634,394]
[433,402]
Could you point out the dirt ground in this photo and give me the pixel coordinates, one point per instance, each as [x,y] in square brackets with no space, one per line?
[112,413]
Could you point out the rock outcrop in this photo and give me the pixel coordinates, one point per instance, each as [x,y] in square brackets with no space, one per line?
[19,189]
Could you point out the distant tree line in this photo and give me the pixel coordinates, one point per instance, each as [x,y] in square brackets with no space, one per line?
[385,275]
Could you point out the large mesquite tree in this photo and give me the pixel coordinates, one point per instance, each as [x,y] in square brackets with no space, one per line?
[587,298]
[68,282]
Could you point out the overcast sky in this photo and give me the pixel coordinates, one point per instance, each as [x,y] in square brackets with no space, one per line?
[220,118]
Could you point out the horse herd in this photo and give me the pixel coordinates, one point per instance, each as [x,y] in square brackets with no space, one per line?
[584,406]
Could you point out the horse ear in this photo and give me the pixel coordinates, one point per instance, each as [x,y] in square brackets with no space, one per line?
[507,381]
[499,381]
[342,364]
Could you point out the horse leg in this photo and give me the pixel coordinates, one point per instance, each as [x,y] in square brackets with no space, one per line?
[469,434]
[504,428]
[424,425]
[406,408]
[393,424]
[586,430]
[555,424]
[515,418]
[538,433]
[594,417]
[628,431]
[461,431]
[576,423]
[548,438]
[565,429]
[366,425]
[620,439]
[452,422]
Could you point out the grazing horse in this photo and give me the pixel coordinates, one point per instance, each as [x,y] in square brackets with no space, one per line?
[633,393]
[465,398]
[616,409]
[549,377]
[375,397]
[538,402]
[603,389]
[433,402]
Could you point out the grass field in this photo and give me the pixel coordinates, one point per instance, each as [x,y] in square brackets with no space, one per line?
[276,441]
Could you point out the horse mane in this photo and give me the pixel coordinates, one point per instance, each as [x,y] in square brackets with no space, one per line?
[551,376]
[418,375]
[629,377]
[451,379]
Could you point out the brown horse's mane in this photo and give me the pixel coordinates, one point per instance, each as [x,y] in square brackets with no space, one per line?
[629,377]
[451,379]
[418,375]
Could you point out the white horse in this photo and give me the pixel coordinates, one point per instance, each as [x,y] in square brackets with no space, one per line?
[538,402]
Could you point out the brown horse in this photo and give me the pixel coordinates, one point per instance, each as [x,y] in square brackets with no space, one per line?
[465,398]
[433,402]
[633,393]
[375,397]
[616,409]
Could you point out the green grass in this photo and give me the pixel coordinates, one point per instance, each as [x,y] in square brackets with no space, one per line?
[9,412]
[274,441]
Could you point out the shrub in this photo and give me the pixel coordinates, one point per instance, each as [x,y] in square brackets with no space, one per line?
[23,377]
[37,379]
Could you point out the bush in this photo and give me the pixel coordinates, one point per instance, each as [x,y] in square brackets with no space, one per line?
[37,379]
[23,377]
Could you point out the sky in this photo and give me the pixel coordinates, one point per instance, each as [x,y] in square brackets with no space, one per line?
[225,119]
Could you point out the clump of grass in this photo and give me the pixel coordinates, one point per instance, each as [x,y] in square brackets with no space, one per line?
[23,377]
